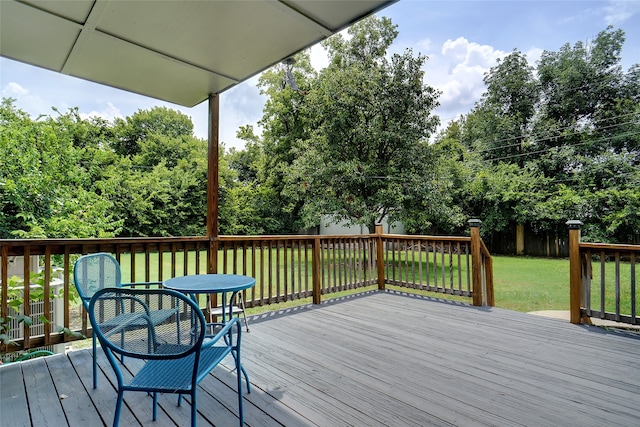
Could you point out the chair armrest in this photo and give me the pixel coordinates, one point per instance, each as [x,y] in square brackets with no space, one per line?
[211,340]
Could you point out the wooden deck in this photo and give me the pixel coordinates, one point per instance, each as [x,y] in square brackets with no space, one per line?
[379,359]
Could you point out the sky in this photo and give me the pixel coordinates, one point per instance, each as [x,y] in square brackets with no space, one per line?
[462,40]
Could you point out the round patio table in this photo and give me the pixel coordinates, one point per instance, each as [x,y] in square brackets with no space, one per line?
[214,284]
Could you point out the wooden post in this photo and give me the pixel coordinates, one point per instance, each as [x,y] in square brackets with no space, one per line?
[212,182]
[315,268]
[575,279]
[380,257]
[476,262]
[520,239]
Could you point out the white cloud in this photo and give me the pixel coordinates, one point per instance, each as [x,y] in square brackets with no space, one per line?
[533,56]
[109,113]
[24,99]
[240,106]
[13,89]
[424,45]
[458,72]
[617,12]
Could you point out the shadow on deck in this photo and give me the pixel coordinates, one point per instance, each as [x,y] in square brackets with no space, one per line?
[380,358]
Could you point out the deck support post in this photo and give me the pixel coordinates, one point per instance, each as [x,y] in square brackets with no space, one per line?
[380,257]
[575,279]
[212,182]
[476,263]
[315,268]
[212,187]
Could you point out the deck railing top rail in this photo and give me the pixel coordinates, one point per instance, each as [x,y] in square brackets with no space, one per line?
[610,247]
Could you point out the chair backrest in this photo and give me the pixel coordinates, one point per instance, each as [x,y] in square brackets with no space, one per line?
[94,272]
[124,321]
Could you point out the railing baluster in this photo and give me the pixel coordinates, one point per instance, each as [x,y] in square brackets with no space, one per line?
[427,265]
[632,267]
[459,249]
[442,264]
[66,262]
[602,284]
[47,296]
[588,283]
[617,285]
[292,273]
[450,253]
[468,245]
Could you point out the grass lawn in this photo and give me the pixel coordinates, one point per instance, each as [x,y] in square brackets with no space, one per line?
[523,284]
[531,284]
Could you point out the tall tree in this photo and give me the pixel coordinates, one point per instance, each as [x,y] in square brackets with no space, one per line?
[285,120]
[371,120]
[507,109]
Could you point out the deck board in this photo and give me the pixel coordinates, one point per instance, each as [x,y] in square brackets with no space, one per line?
[13,396]
[378,359]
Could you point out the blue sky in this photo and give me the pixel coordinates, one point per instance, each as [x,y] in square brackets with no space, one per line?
[462,39]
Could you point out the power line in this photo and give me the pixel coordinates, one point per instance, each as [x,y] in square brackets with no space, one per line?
[566,145]
[577,132]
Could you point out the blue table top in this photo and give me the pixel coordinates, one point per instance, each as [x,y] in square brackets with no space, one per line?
[210,283]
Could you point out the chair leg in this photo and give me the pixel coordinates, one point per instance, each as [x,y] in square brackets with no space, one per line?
[155,405]
[95,364]
[240,369]
[194,410]
[246,378]
[116,416]
[240,408]
[244,312]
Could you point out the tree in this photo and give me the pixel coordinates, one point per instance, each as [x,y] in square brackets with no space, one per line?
[370,123]
[43,181]
[507,109]
[159,120]
[285,121]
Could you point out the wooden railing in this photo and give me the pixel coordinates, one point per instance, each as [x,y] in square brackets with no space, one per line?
[429,263]
[286,268]
[603,280]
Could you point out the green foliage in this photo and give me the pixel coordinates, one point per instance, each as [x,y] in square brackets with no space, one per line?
[371,118]
[15,301]
[561,143]
[543,145]
[42,185]
[134,130]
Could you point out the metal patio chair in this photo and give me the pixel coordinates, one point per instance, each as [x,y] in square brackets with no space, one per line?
[94,272]
[177,351]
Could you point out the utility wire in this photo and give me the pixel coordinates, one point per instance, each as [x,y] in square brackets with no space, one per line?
[577,132]
[564,146]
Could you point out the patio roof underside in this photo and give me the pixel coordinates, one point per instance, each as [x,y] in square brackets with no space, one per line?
[175,51]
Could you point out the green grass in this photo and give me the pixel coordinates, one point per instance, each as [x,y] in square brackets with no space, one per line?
[531,284]
[523,284]
[536,284]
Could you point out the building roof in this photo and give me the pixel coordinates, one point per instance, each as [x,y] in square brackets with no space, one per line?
[175,51]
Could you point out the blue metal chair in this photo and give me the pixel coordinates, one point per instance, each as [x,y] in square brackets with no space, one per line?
[178,352]
[98,271]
